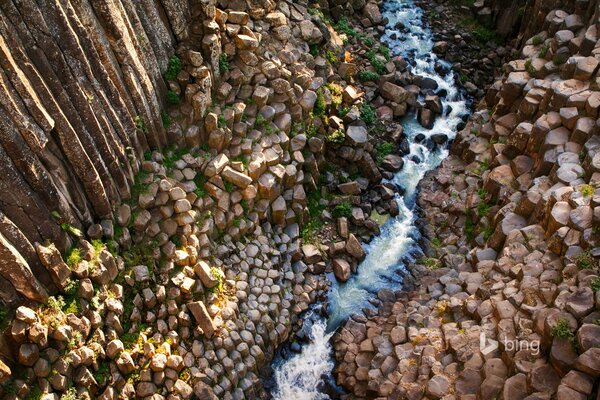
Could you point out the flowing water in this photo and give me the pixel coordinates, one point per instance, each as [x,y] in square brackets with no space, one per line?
[304,375]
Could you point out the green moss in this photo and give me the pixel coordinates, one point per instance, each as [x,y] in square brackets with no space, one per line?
[331,57]
[537,40]
[221,123]
[166,119]
[102,375]
[483,208]
[344,27]
[74,257]
[173,69]
[562,329]
[337,136]
[139,123]
[173,98]
[320,104]
[385,52]
[595,284]
[587,190]
[344,209]
[560,59]
[430,262]
[229,187]
[35,393]
[223,63]
[367,114]
[529,68]
[376,62]
[384,149]
[366,75]
[585,260]
[544,51]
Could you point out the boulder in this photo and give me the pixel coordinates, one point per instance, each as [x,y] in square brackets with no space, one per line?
[354,248]
[203,318]
[341,269]
[393,92]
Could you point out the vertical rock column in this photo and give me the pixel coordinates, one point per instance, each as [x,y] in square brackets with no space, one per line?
[81,98]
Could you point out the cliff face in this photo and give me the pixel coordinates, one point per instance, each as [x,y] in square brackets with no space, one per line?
[523,19]
[81,97]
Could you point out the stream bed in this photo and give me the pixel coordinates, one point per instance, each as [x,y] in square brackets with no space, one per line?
[307,375]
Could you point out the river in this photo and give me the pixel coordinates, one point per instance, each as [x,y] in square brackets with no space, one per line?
[304,376]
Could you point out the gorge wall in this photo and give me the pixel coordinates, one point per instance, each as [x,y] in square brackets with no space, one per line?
[82,96]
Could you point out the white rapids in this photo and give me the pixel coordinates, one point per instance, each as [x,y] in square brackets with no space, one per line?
[300,377]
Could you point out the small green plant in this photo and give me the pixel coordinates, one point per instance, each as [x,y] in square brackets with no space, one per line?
[70,229]
[173,69]
[313,50]
[436,242]
[367,40]
[562,329]
[337,136]
[367,114]
[71,287]
[166,119]
[336,91]
[98,246]
[74,257]
[384,149]
[544,51]
[217,275]
[587,190]
[537,40]
[320,104]
[311,130]
[309,230]
[530,68]
[585,260]
[344,111]
[173,98]
[70,394]
[344,209]
[35,393]
[430,262]
[345,28]
[385,52]
[331,57]
[223,63]
[139,123]
[376,62]
[365,75]
[483,208]
[55,303]
[260,121]
[559,59]
[595,284]
[229,187]
[221,123]
[102,374]
[483,166]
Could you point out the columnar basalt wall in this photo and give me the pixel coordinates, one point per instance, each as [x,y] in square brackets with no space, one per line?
[81,98]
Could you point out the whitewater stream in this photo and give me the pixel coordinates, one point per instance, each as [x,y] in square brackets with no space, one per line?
[304,375]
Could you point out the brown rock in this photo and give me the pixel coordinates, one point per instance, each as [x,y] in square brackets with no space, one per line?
[341,269]
[203,318]
[354,248]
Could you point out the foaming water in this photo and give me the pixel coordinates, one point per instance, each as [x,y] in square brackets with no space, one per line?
[301,377]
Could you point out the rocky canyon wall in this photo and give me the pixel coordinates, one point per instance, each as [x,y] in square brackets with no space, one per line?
[522,18]
[81,100]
